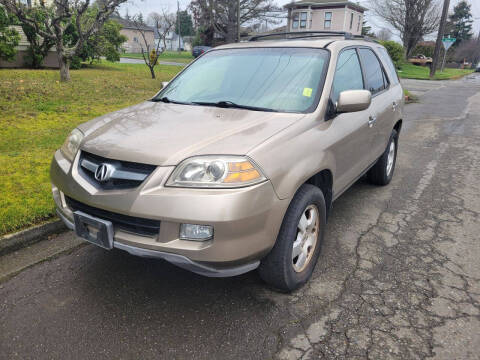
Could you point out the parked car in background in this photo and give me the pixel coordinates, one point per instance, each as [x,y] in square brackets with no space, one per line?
[234,164]
[199,50]
[421,60]
[478,68]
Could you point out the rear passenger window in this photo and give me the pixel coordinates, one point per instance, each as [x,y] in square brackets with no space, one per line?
[387,61]
[374,75]
[348,75]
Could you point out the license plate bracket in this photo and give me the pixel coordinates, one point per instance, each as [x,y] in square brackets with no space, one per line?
[94,230]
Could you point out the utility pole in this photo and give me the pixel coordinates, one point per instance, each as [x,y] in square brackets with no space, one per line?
[441,30]
[238,20]
[178,26]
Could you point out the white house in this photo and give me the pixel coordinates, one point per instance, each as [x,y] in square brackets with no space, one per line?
[325,15]
[173,41]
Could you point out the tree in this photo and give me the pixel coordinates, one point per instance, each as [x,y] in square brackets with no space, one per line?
[162,24]
[139,19]
[384,35]
[186,24]
[367,29]
[468,50]
[460,22]
[106,42]
[9,37]
[58,17]
[219,17]
[38,47]
[413,19]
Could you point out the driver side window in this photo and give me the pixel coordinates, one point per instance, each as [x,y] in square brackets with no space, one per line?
[348,74]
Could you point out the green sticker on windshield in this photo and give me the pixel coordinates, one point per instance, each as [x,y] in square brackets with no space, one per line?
[307,92]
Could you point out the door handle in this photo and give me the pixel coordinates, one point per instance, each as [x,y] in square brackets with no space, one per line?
[394,106]
[372,120]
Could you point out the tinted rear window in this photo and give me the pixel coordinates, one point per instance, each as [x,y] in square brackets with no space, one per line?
[373,71]
[390,67]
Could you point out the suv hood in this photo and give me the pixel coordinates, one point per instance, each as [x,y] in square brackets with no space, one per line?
[165,134]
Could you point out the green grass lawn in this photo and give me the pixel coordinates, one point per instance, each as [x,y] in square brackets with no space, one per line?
[173,56]
[411,98]
[409,71]
[37,112]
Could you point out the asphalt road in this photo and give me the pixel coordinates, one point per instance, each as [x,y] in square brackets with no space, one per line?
[399,276]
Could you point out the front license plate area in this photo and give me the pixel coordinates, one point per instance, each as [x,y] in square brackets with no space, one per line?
[95,230]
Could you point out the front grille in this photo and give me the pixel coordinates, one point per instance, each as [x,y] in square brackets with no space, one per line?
[130,224]
[124,174]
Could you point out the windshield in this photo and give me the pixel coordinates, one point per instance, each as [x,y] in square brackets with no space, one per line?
[276,79]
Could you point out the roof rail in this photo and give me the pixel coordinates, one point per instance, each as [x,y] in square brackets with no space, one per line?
[305,34]
[366,38]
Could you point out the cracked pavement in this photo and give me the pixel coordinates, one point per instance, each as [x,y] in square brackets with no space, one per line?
[398,277]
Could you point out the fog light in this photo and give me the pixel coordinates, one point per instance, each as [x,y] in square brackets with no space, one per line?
[196,232]
[59,197]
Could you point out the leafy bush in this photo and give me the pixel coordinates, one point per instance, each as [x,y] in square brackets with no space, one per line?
[396,52]
[76,63]
[39,46]
[9,38]
[33,58]
[424,49]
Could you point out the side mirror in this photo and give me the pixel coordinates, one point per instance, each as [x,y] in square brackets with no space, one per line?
[164,83]
[353,100]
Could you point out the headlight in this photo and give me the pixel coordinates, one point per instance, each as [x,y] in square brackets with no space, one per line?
[71,145]
[216,172]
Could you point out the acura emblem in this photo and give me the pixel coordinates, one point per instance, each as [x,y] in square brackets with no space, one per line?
[103,172]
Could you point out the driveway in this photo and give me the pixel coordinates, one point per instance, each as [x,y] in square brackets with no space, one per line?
[399,276]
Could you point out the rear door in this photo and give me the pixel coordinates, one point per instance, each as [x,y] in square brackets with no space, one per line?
[395,90]
[380,115]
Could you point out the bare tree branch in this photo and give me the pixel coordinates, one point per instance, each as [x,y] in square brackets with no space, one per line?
[220,16]
[162,24]
[413,19]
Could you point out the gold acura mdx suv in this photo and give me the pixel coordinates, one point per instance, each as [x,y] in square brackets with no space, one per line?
[235,163]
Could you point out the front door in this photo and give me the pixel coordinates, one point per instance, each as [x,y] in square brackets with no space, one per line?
[351,133]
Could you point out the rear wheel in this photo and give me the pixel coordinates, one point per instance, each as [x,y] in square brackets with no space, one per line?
[382,172]
[292,260]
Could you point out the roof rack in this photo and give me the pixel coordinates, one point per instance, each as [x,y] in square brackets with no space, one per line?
[305,34]
[366,38]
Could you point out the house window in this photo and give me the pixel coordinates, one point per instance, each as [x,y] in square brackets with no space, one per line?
[299,20]
[359,22]
[303,20]
[135,39]
[351,21]
[328,20]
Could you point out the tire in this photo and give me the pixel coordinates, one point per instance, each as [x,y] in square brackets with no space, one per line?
[279,269]
[381,174]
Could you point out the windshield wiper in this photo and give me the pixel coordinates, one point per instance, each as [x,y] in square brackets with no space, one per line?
[231,104]
[170,101]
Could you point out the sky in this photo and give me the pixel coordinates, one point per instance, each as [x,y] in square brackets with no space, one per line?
[147,6]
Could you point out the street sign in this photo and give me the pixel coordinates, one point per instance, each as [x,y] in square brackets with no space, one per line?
[447,42]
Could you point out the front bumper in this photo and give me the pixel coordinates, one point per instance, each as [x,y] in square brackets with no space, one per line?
[246,221]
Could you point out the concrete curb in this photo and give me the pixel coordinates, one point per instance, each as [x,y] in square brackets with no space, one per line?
[23,238]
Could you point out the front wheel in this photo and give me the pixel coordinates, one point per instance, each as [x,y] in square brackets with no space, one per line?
[382,172]
[291,262]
